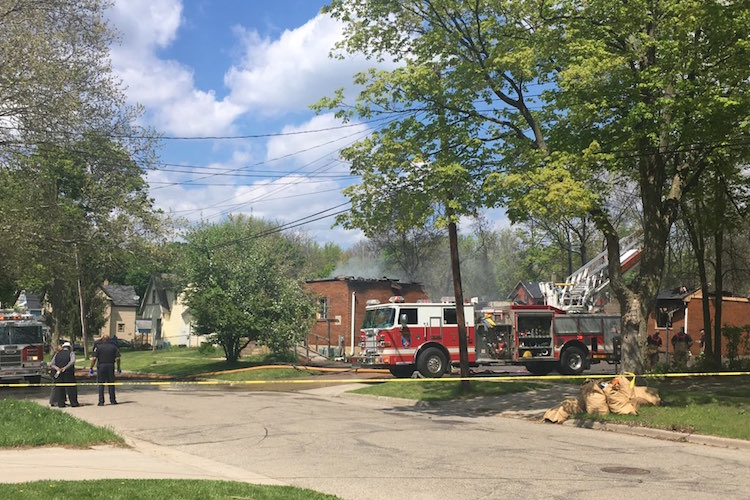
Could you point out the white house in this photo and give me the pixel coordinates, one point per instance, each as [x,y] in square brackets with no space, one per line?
[171,322]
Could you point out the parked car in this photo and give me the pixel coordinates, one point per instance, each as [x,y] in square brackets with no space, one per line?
[120,343]
[76,346]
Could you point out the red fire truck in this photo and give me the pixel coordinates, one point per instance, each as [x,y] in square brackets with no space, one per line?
[21,347]
[423,336]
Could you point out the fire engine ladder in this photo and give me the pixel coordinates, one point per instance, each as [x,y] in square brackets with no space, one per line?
[579,292]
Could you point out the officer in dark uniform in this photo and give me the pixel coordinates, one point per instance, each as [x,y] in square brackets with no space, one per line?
[107,355]
[64,366]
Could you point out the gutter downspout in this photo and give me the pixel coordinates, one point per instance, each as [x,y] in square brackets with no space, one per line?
[351,350]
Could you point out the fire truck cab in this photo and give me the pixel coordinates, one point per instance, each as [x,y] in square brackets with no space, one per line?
[423,336]
[21,347]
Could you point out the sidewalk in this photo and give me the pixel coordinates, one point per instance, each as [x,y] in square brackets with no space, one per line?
[142,460]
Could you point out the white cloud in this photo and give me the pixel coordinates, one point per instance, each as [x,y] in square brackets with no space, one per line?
[318,147]
[276,78]
[146,24]
[292,72]
[165,87]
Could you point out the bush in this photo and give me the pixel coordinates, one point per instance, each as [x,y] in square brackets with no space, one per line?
[207,348]
[737,337]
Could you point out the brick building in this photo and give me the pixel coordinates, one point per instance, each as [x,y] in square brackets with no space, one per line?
[527,292]
[686,311]
[341,308]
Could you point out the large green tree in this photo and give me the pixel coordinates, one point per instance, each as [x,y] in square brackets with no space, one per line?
[571,101]
[55,75]
[76,211]
[71,156]
[239,281]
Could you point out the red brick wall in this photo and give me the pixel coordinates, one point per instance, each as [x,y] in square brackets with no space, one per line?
[339,293]
[733,313]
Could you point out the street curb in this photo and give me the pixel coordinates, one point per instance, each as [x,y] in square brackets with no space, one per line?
[667,435]
[536,416]
[385,399]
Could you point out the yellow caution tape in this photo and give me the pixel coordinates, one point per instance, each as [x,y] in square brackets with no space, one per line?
[503,378]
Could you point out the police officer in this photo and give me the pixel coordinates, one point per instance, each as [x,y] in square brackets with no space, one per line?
[107,355]
[64,366]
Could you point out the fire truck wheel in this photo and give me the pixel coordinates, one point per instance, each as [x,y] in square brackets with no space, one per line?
[572,361]
[402,371]
[432,363]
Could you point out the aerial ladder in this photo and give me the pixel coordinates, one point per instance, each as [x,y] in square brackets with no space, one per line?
[578,293]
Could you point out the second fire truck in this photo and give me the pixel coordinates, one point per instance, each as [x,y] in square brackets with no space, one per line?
[423,336]
[21,347]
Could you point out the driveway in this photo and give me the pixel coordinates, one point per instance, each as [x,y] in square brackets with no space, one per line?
[377,448]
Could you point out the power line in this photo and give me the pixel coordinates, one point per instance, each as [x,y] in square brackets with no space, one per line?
[300,195]
[285,226]
[209,137]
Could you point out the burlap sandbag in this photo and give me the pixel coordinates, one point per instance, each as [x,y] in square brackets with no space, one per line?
[618,399]
[563,411]
[594,399]
[646,396]
[623,384]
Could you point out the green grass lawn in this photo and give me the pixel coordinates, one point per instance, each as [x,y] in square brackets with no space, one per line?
[26,424]
[180,362]
[444,390]
[716,406]
[280,373]
[156,489]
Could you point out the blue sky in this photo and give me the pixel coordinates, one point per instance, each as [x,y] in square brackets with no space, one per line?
[229,68]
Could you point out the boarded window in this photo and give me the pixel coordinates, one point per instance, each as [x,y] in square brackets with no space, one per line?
[323,308]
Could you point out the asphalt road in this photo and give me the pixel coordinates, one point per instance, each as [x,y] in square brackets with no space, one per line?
[375,448]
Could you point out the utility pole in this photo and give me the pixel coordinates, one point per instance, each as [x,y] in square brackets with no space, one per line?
[84,337]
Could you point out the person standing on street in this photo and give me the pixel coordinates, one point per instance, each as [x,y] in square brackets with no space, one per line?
[64,366]
[53,372]
[107,355]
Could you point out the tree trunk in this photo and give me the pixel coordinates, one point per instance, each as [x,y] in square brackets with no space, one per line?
[463,349]
[634,331]
[719,293]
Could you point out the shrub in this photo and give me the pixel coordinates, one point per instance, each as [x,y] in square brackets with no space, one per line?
[207,348]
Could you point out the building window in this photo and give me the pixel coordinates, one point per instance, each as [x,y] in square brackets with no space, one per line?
[323,308]
[663,317]
[120,327]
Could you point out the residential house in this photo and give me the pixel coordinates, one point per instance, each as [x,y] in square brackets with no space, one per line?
[171,322]
[341,309]
[682,308]
[527,292]
[121,308]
